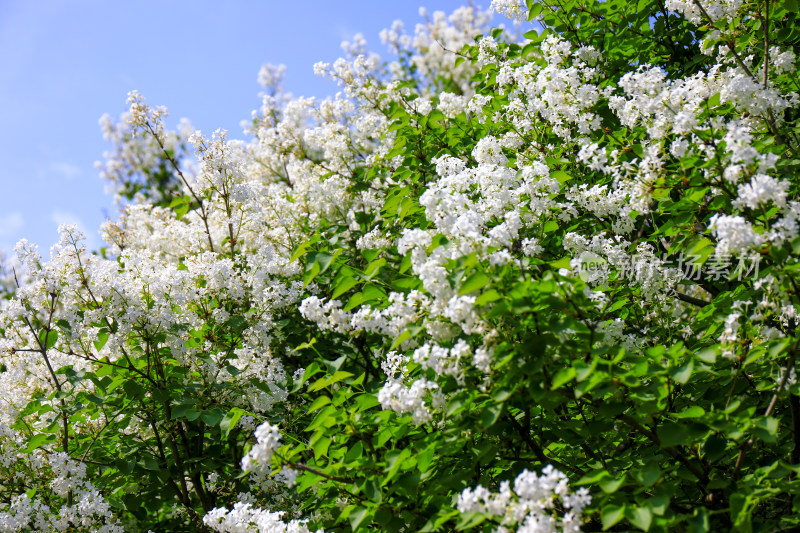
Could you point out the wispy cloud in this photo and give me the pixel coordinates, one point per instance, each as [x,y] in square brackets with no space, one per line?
[66,170]
[10,224]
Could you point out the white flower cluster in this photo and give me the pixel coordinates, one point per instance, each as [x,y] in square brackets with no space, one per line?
[268,439]
[734,234]
[530,506]
[699,12]
[244,518]
[513,9]
[433,43]
[89,511]
[402,399]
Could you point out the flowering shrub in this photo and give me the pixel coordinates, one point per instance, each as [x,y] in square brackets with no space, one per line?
[544,283]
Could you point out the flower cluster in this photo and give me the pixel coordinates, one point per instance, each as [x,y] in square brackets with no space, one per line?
[531,504]
[486,238]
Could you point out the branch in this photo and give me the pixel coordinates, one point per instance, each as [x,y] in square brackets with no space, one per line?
[747,445]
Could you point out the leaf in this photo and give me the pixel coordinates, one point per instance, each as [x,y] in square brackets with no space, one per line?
[611,514]
[490,414]
[699,522]
[672,434]
[102,338]
[640,517]
[132,388]
[611,485]
[709,355]
[475,282]
[369,293]
[403,337]
[487,297]
[374,267]
[344,285]
[682,374]
[357,517]
[469,520]
[321,446]
[561,176]
[321,383]
[694,411]
[212,417]
[230,420]
[303,247]
[593,477]
[372,490]
[354,453]
[562,377]
[648,475]
[39,440]
[766,428]
[48,338]
[149,463]
[317,404]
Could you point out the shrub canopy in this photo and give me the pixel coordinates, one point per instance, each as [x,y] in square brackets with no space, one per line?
[539,282]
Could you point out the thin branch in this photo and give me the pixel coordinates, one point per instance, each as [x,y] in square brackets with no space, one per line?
[747,445]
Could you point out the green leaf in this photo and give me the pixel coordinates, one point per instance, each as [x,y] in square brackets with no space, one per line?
[320,447]
[374,267]
[212,417]
[48,338]
[469,520]
[699,522]
[487,297]
[372,490]
[640,517]
[39,440]
[337,376]
[561,176]
[672,434]
[344,285]
[611,485]
[562,377]
[149,463]
[611,514]
[230,420]
[403,337]
[354,453]
[683,373]
[475,282]
[490,414]
[303,247]
[318,403]
[766,428]
[132,388]
[694,411]
[357,517]
[709,355]
[648,475]
[102,338]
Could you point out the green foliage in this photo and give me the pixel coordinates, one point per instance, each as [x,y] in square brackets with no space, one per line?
[675,433]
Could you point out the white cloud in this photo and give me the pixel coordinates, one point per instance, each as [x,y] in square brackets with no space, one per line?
[66,170]
[11,224]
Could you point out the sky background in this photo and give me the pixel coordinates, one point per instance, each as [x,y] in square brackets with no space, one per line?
[63,64]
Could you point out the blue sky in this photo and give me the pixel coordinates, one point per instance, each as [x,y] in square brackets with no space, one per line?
[63,64]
